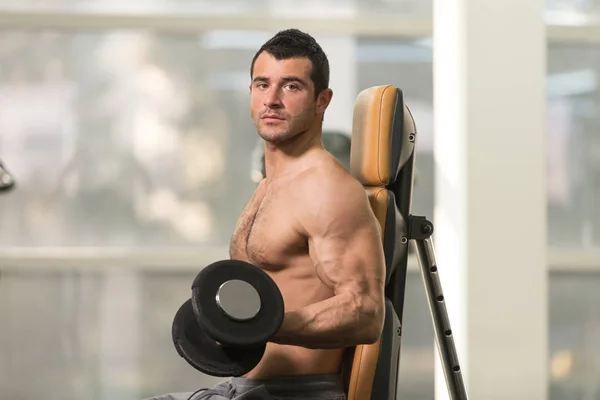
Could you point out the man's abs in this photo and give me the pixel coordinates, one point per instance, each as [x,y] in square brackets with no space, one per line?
[299,287]
[280,360]
[265,237]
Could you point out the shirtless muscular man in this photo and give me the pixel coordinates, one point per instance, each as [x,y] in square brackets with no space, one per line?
[309,225]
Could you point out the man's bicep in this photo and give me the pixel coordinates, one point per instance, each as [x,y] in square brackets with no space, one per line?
[344,240]
[348,252]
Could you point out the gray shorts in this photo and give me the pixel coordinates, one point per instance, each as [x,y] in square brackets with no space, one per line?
[307,387]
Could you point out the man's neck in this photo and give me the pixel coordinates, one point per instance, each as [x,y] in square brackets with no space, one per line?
[283,158]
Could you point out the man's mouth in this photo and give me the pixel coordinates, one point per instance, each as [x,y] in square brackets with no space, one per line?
[271,117]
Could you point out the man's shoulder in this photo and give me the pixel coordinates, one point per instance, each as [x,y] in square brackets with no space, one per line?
[328,191]
[329,179]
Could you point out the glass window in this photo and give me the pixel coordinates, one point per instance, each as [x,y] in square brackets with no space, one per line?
[106,334]
[574,327]
[131,139]
[573,145]
[563,9]
[124,138]
[101,334]
[416,376]
[118,149]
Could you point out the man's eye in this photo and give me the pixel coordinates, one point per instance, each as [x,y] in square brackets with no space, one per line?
[292,87]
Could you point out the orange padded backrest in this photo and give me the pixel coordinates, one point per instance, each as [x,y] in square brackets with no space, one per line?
[366,356]
[381,145]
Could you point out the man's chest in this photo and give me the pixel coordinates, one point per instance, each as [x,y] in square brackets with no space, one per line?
[266,234]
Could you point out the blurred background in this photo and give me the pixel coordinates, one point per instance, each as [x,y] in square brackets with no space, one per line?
[127,128]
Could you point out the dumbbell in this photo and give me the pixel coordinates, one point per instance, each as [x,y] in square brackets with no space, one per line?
[234,310]
[6,181]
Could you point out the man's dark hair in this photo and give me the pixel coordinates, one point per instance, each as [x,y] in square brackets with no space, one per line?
[292,43]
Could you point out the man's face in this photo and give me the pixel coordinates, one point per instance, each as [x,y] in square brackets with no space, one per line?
[283,100]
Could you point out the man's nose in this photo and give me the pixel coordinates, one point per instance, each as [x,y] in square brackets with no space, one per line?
[273,99]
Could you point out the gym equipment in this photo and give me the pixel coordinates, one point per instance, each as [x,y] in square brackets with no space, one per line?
[223,329]
[382,159]
[6,181]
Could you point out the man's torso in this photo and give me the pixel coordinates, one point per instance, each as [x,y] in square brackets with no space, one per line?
[266,236]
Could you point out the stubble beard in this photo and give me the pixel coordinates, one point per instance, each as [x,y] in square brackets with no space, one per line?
[278,135]
[273,135]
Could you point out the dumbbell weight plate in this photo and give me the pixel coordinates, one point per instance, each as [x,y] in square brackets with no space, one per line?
[203,353]
[237,304]
[6,181]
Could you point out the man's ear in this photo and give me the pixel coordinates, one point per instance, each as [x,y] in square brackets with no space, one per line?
[324,99]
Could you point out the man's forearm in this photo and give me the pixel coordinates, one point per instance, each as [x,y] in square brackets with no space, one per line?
[338,322]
